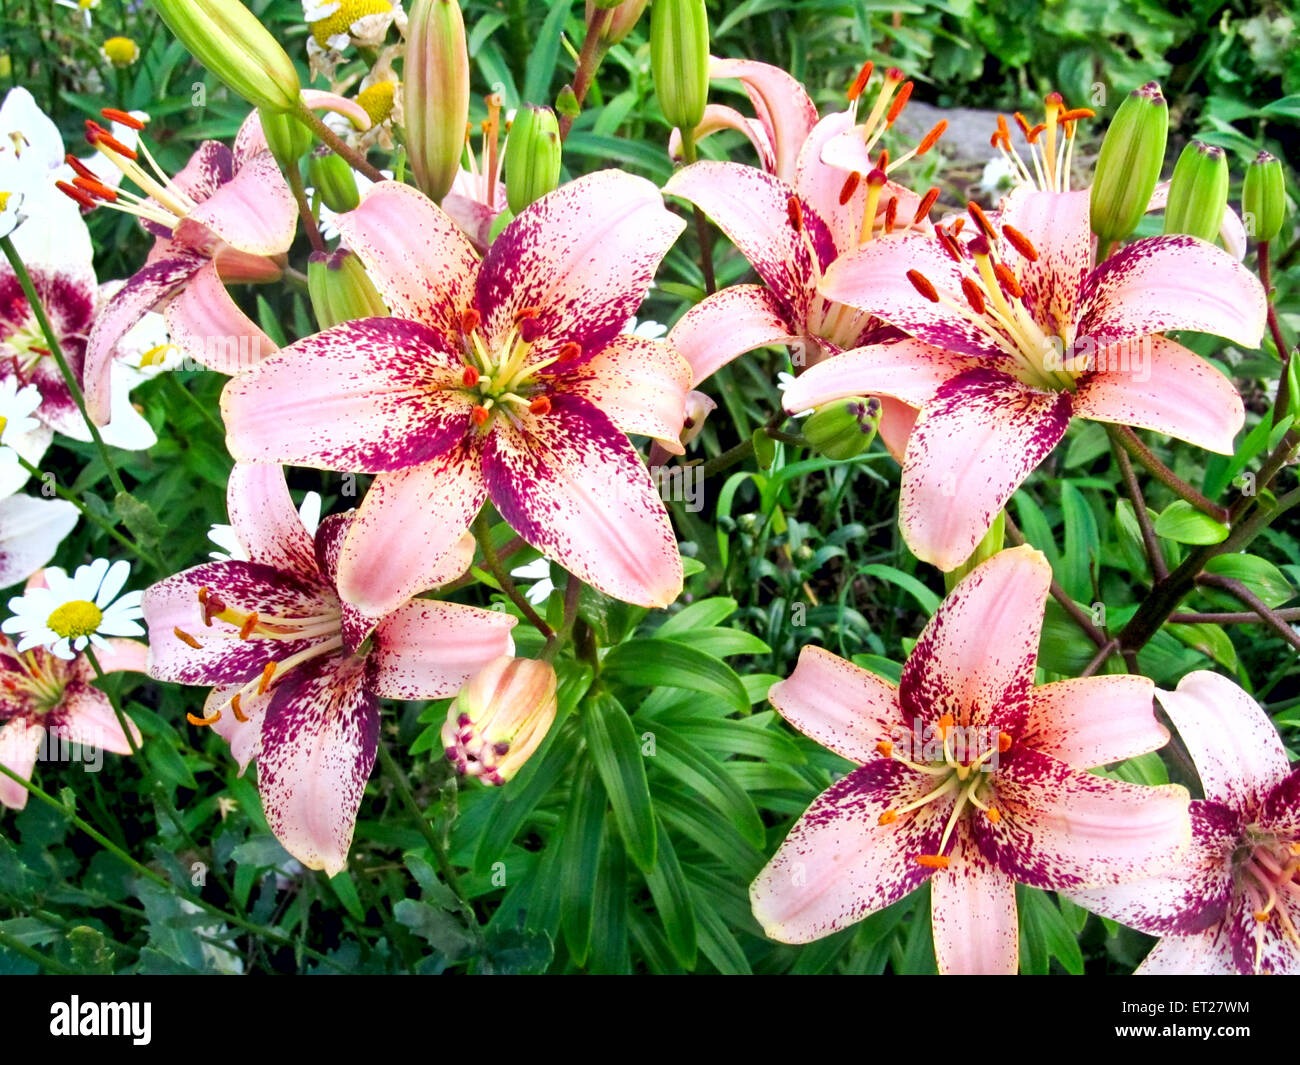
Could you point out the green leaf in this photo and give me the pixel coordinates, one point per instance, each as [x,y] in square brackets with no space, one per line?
[1081,544]
[682,760]
[1211,640]
[579,860]
[890,575]
[140,519]
[704,614]
[1184,524]
[1258,574]
[672,899]
[616,752]
[545,52]
[609,947]
[666,663]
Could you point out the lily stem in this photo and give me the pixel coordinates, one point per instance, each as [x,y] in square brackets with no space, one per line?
[701,222]
[56,350]
[1155,557]
[1130,442]
[294,175]
[483,534]
[1079,616]
[337,144]
[1266,614]
[588,62]
[1283,398]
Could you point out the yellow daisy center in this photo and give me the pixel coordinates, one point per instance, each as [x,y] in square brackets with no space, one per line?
[341,21]
[121,51]
[77,618]
[378,100]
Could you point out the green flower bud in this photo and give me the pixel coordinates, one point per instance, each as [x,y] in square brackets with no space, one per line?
[333,180]
[1263,197]
[679,59]
[287,138]
[1128,167]
[623,17]
[436,87]
[504,217]
[1198,192]
[843,428]
[229,40]
[532,158]
[341,290]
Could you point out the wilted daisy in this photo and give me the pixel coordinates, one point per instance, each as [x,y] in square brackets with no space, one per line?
[84,6]
[71,612]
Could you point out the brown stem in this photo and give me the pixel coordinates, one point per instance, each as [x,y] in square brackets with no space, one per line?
[294,176]
[1099,659]
[483,533]
[1283,398]
[1245,617]
[701,221]
[1266,613]
[338,145]
[588,61]
[1166,476]
[1155,557]
[1072,608]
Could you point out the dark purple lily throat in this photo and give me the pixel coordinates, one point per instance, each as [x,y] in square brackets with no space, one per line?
[321,629]
[506,379]
[1268,867]
[963,763]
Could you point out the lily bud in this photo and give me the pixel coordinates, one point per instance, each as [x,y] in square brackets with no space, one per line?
[500,718]
[1198,192]
[843,428]
[679,59]
[623,17]
[287,138]
[341,290]
[1263,197]
[436,91]
[332,177]
[229,40]
[532,158]
[1128,167]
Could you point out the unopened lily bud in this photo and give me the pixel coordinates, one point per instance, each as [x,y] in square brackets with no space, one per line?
[1128,167]
[332,177]
[532,159]
[500,718]
[699,405]
[1198,192]
[341,290]
[436,87]
[679,59]
[287,138]
[1263,197]
[843,428]
[231,42]
[622,18]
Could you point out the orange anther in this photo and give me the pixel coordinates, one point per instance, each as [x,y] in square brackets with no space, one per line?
[932,138]
[1021,243]
[860,82]
[973,295]
[569,350]
[122,118]
[469,376]
[922,285]
[1004,742]
[1008,280]
[886,748]
[887,818]
[794,212]
[849,187]
[194,719]
[479,415]
[250,623]
[932,861]
[470,320]
[900,101]
[268,674]
[241,717]
[541,405]
[186,638]
[994,814]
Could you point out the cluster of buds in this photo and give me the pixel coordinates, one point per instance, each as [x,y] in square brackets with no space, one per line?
[844,428]
[623,17]
[500,718]
[532,156]
[1198,192]
[436,78]
[1128,167]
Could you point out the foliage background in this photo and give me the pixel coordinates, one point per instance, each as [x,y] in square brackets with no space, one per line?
[801,551]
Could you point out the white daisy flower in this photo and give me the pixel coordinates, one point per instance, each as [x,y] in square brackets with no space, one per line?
[72,612]
[785,380]
[231,549]
[538,570]
[84,6]
[16,408]
[647,330]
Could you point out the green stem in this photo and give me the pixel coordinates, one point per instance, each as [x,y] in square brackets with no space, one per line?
[1155,557]
[293,175]
[44,961]
[1283,398]
[588,61]
[38,309]
[337,144]
[701,222]
[483,533]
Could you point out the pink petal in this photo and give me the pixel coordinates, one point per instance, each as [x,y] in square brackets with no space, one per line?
[1207,953]
[640,385]
[19,745]
[1160,385]
[31,530]
[874,279]
[570,484]
[980,436]
[838,864]
[208,326]
[405,528]
[159,280]
[1238,753]
[252,212]
[717,118]
[975,658]
[122,655]
[897,420]
[1265,950]
[752,209]
[210,167]
[1057,225]
[418,259]
[1176,282]
[729,323]
[1185,899]
[428,650]
[582,256]
[319,739]
[373,395]
[973,914]
[1094,720]
[841,706]
[908,370]
[781,104]
[244,737]
[1062,830]
[87,717]
[266,521]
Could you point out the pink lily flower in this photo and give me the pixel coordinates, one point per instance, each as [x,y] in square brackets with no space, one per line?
[297,672]
[1014,333]
[1233,904]
[506,379]
[968,776]
[44,698]
[792,223]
